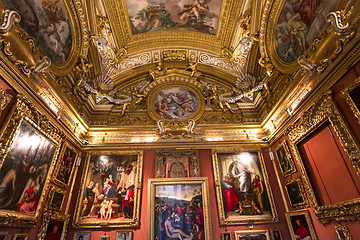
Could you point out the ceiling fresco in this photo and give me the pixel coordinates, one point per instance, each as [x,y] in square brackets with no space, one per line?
[299,22]
[48,23]
[158,15]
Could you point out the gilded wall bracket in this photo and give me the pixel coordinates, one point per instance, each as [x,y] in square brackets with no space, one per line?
[176,129]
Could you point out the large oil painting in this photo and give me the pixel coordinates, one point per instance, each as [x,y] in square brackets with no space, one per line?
[178,209]
[299,22]
[157,15]
[24,170]
[48,23]
[243,190]
[175,103]
[109,193]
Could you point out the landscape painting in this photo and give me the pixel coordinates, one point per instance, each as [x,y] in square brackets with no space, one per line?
[24,170]
[157,15]
[299,22]
[48,23]
[175,103]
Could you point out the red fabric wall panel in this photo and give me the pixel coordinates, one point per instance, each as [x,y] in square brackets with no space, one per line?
[327,168]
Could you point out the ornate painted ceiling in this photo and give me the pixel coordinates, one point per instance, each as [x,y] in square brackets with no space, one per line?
[190,71]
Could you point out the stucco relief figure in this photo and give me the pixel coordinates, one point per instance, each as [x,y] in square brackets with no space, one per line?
[213,98]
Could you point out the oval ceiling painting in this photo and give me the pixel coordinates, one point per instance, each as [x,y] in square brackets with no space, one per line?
[299,22]
[157,15]
[175,103]
[47,22]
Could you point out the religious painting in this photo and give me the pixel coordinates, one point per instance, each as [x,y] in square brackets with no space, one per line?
[24,170]
[110,192]
[3,235]
[285,159]
[123,235]
[55,199]
[82,236]
[65,165]
[20,236]
[296,193]
[252,234]
[226,236]
[243,190]
[343,233]
[48,23]
[178,209]
[299,22]
[175,103]
[352,96]
[299,224]
[159,15]
[177,164]
[276,234]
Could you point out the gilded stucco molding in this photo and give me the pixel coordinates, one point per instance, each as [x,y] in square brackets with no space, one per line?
[4,99]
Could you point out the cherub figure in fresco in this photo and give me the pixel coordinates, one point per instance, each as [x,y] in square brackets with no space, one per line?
[153,16]
[198,8]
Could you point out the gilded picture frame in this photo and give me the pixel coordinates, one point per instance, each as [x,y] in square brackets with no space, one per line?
[25,123]
[293,218]
[21,236]
[65,166]
[324,109]
[226,236]
[354,105]
[128,235]
[54,200]
[84,235]
[239,235]
[285,160]
[276,234]
[296,193]
[185,162]
[105,238]
[256,198]
[191,193]
[343,233]
[99,165]
[53,218]
[169,88]
[3,235]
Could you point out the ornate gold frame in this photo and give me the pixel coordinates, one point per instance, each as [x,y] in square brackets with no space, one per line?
[118,232]
[26,235]
[87,233]
[152,182]
[325,110]
[344,230]
[308,221]
[57,168]
[219,195]
[223,234]
[50,198]
[238,233]
[346,94]
[53,216]
[305,203]
[175,81]
[4,233]
[272,233]
[24,110]
[288,156]
[105,238]
[134,222]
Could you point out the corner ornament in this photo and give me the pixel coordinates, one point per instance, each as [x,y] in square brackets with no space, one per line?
[176,130]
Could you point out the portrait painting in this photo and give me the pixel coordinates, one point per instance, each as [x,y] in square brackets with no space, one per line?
[299,22]
[123,235]
[296,193]
[3,235]
[276,234]
[177,164]
[175,103]
[285,159]
[343,233]
[226,236]
[48,23]
[178,209]
[300,226]
[82,236]
[110,193]
[54,230]
[243,190]
[252,235]
[20,236]
[66,164]
[24,170]
[159,15]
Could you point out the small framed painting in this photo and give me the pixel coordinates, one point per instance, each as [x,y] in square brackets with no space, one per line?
[53,226]
[276,234]
[285,159]
[252,234]
[343,232]
[105,238]
[296,193]
[3,235]
[82,236]
[299,224]
[226,236]
[352,96]
[20,236]
[55,199]
[123,235]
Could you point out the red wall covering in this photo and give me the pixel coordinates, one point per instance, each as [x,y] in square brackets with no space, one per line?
[9,90]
